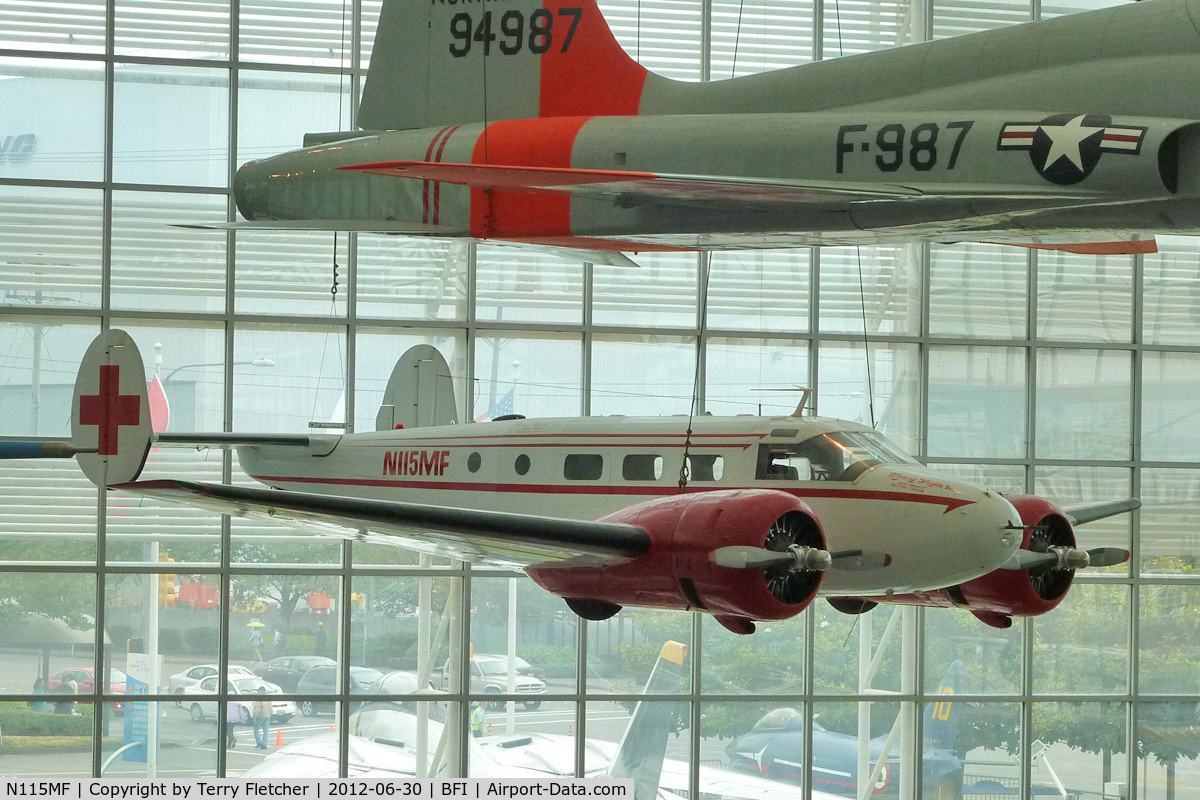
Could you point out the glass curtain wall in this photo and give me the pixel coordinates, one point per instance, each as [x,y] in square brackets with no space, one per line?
[1069,376]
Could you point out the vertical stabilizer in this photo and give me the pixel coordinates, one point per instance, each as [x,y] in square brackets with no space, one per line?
[420,392]
[110,412]
[644,745]
[438,62]
[942,715]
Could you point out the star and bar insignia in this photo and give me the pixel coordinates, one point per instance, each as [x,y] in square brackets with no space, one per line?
[1065,148]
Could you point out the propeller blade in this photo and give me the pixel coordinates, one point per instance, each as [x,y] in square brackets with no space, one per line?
[859,560]
[810,559]
[1108,556]
[745,557]
[1024,559]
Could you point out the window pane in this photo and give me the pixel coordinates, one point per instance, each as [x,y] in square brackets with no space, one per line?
[642,376]
[622,651]
[545,646]
[991,658]
[886,280]
[663,36]
[1167,662]
[1170,384]
[769,662]
[304,381]
[1170,293]
[1083,740]
[170,125]
[519,285]
[892,401]
[314,33]
[751,38]
[276,109]
[761,290]
[660,293]
[978,290]
[860,26]
[755,376]
[38,364]
[50,246]
[977,402]
[34,94]
[286,272]
[990,735]
[157,266]
[1167,735]
[1083,404]
[195,29]
[542,372]
[1092,619]
[1084,298]
[76,27]
[997,477]
[1170,519]
[412,278]
[958,17]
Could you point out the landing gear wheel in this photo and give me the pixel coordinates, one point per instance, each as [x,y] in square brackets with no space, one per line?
[594,610]
[852,605]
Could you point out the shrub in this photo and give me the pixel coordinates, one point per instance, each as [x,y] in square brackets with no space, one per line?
[16,719]
[170,641]
[547,655]
[201,641]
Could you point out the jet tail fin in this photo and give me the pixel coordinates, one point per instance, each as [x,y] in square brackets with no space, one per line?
[644,745]
[438,63]
[942,715]
[110,415]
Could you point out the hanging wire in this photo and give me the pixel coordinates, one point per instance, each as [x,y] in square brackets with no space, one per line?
[737,38]
[684,472]
[862,299]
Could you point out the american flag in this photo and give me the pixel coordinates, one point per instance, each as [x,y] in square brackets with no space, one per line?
[502,407]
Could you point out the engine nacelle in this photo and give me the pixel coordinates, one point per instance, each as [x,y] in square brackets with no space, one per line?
[1000,595]
[678,572]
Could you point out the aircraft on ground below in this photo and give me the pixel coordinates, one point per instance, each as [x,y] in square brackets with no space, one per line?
[529,124]
[743,518]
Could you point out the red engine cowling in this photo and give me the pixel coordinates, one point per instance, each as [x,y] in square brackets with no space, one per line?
[677,572]
[1002,594]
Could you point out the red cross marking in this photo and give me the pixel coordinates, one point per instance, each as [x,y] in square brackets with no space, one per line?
[109,409]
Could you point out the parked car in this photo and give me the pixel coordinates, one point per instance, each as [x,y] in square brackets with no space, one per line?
[288,670]
[404,682]
[323,680]
[83,677]
[523,666]
[489,675]
[281,710]
[193,675]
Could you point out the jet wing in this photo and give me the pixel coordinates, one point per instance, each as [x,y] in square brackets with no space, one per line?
[1090,512]
[492,537]
[354,225]
[720,189]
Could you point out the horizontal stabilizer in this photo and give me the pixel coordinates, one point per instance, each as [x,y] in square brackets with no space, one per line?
[351,225]
[1105,245]
[44,448]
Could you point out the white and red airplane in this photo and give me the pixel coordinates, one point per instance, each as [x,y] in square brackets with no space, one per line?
[745,518]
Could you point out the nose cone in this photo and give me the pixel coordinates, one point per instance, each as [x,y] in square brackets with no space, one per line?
[250,189]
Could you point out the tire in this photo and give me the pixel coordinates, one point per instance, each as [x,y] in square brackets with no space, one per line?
[178,692]
[532,705]
[307,708]
[197,712]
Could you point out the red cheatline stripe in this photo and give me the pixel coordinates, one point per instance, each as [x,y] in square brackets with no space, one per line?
[1121,137]
[579,436]
[596,446]
[950,503]
[437,186]
[425,184]
[1016,135]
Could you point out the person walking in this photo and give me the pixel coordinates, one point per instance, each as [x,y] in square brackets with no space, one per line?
[233,715]
[321,638]
[39,688]
[478,720]
[262,718]
[256,643]
[280,640]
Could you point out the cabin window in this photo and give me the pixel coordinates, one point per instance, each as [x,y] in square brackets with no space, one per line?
[642,467]
[473,462]
[703,467]
[521,465]
[583,467]
[778,462]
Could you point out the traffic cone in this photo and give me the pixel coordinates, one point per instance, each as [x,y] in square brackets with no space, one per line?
[331,728]
[489,728]
[278,738]
[570,727]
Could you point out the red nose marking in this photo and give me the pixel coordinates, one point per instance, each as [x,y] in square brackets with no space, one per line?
[109,409]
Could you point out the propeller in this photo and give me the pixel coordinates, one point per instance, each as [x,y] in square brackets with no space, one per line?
[798,557]
[1067,558]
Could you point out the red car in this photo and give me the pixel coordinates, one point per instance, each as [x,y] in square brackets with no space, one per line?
[83,677]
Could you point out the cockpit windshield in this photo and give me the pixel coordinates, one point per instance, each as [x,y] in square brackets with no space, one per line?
[835,456]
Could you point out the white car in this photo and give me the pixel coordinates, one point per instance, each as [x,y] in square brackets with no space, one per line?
[247,690]
[193,675]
